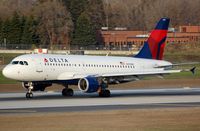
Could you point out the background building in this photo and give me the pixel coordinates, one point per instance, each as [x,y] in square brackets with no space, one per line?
[126,39]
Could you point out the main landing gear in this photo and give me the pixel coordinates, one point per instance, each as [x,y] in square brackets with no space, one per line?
[104,92]
[67,91]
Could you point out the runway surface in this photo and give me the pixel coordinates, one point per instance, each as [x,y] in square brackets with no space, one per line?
[120,99]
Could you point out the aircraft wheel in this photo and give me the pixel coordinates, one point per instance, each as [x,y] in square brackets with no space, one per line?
[104,93]
[67,92]
[29,95]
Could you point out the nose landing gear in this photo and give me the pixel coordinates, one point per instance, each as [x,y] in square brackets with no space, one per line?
[29,94]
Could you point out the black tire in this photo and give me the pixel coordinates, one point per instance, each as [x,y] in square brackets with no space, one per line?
[70,92]
[101,94]
[64,92]
[67,92]
[29,95]
[104,93]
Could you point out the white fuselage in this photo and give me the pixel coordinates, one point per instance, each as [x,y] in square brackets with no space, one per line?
[47,67]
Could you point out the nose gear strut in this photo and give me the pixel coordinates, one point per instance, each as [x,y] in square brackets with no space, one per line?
[29,94]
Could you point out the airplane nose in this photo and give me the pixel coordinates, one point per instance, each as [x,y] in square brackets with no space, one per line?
[6,72]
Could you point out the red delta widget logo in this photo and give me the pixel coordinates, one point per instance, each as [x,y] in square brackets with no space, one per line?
[60,60]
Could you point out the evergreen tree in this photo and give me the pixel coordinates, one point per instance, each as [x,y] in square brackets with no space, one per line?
[16,30]
[84,33]
[29,36]
[76,8]
[1,31]
[34,25]
[93,9]
[23,20]
[6,30]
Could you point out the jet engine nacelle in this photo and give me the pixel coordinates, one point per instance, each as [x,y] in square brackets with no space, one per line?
[88,84]
[37,86]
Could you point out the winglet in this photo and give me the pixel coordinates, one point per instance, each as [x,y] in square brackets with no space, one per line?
[193,70]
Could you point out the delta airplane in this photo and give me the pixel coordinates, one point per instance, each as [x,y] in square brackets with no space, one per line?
[91,73]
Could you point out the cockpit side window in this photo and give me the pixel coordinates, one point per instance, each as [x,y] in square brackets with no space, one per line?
[25,63]
[15,62]
[21,63]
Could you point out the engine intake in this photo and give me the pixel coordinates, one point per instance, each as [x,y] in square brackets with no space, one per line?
[88,84]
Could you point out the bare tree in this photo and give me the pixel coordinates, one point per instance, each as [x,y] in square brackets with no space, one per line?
[8,7]
[55,22]
[142,14]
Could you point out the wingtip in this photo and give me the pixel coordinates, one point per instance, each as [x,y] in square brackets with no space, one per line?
[193,70]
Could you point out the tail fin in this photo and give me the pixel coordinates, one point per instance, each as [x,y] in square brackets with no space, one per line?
[154,47]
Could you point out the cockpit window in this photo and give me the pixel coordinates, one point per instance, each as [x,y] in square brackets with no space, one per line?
[25,63]
[15,62]
[21,63]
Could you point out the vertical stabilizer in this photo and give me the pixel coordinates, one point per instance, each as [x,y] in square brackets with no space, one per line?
[154,47]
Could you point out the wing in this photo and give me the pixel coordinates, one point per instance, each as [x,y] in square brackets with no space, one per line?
[75,75]
[72,75]
[177,64]
[143,73]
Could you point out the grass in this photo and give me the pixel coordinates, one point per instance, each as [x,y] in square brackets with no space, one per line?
[183,75]
[4,80]
[8,57]
[159,119]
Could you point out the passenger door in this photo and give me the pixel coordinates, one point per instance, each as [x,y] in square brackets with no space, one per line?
[39,66]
